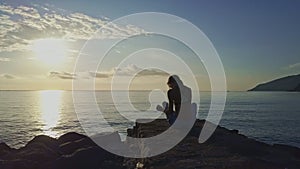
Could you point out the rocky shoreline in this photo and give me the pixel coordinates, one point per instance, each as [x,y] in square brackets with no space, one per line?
[225,149]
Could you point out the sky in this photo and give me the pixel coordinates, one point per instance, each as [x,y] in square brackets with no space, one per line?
[41,42]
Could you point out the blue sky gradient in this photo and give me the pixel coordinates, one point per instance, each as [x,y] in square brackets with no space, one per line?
[257,41]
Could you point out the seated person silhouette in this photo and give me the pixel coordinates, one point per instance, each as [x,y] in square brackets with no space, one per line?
[179,97]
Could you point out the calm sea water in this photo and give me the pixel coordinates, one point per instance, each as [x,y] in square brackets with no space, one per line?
[271,117]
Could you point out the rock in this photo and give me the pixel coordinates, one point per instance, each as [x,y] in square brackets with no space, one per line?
[224,149]
[72,146]
[290,149]
[5,149]
[297,89]
[90,157]
[40,150]
[72,150]
[69,137]
[17,164]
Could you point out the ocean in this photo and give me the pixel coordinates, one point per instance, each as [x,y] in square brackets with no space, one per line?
[271,117]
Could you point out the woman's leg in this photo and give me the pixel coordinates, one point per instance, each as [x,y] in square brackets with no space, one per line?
[172,117]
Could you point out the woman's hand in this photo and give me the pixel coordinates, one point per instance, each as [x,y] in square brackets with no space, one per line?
[159,108]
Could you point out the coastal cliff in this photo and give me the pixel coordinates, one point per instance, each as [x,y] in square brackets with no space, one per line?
[288,83]
[225,149]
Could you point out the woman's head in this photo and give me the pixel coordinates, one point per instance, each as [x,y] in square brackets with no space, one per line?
[174,81]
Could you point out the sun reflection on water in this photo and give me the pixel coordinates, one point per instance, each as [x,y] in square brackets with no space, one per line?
[50,106]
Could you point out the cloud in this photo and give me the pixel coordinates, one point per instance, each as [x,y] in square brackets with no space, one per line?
[153,72]
[22,24]
[133,69]
[99,74]
[4,59]
[8,76]
[129,70]
[62,75]
[27,12]
[6,9]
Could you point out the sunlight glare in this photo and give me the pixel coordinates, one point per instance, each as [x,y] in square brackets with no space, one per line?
[50,51]
[50,105]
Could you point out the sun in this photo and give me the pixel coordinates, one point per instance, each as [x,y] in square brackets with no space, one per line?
[50,51]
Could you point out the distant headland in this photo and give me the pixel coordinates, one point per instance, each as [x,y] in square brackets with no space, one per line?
[288,83]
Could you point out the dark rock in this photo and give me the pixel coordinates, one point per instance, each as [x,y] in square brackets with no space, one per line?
[39,150]
[224,149]
[294,150]
[43,141]
[91,157]
[69,137]
[234,131]
[18,164]
[5,149]
[297,89]
[72,150]
[72,146]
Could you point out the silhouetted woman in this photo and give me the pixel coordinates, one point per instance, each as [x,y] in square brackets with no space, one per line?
[179,97]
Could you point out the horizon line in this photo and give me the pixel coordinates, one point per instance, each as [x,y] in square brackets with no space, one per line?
[107,90]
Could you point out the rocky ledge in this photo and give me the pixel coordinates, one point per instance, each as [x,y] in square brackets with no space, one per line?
[225,149]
